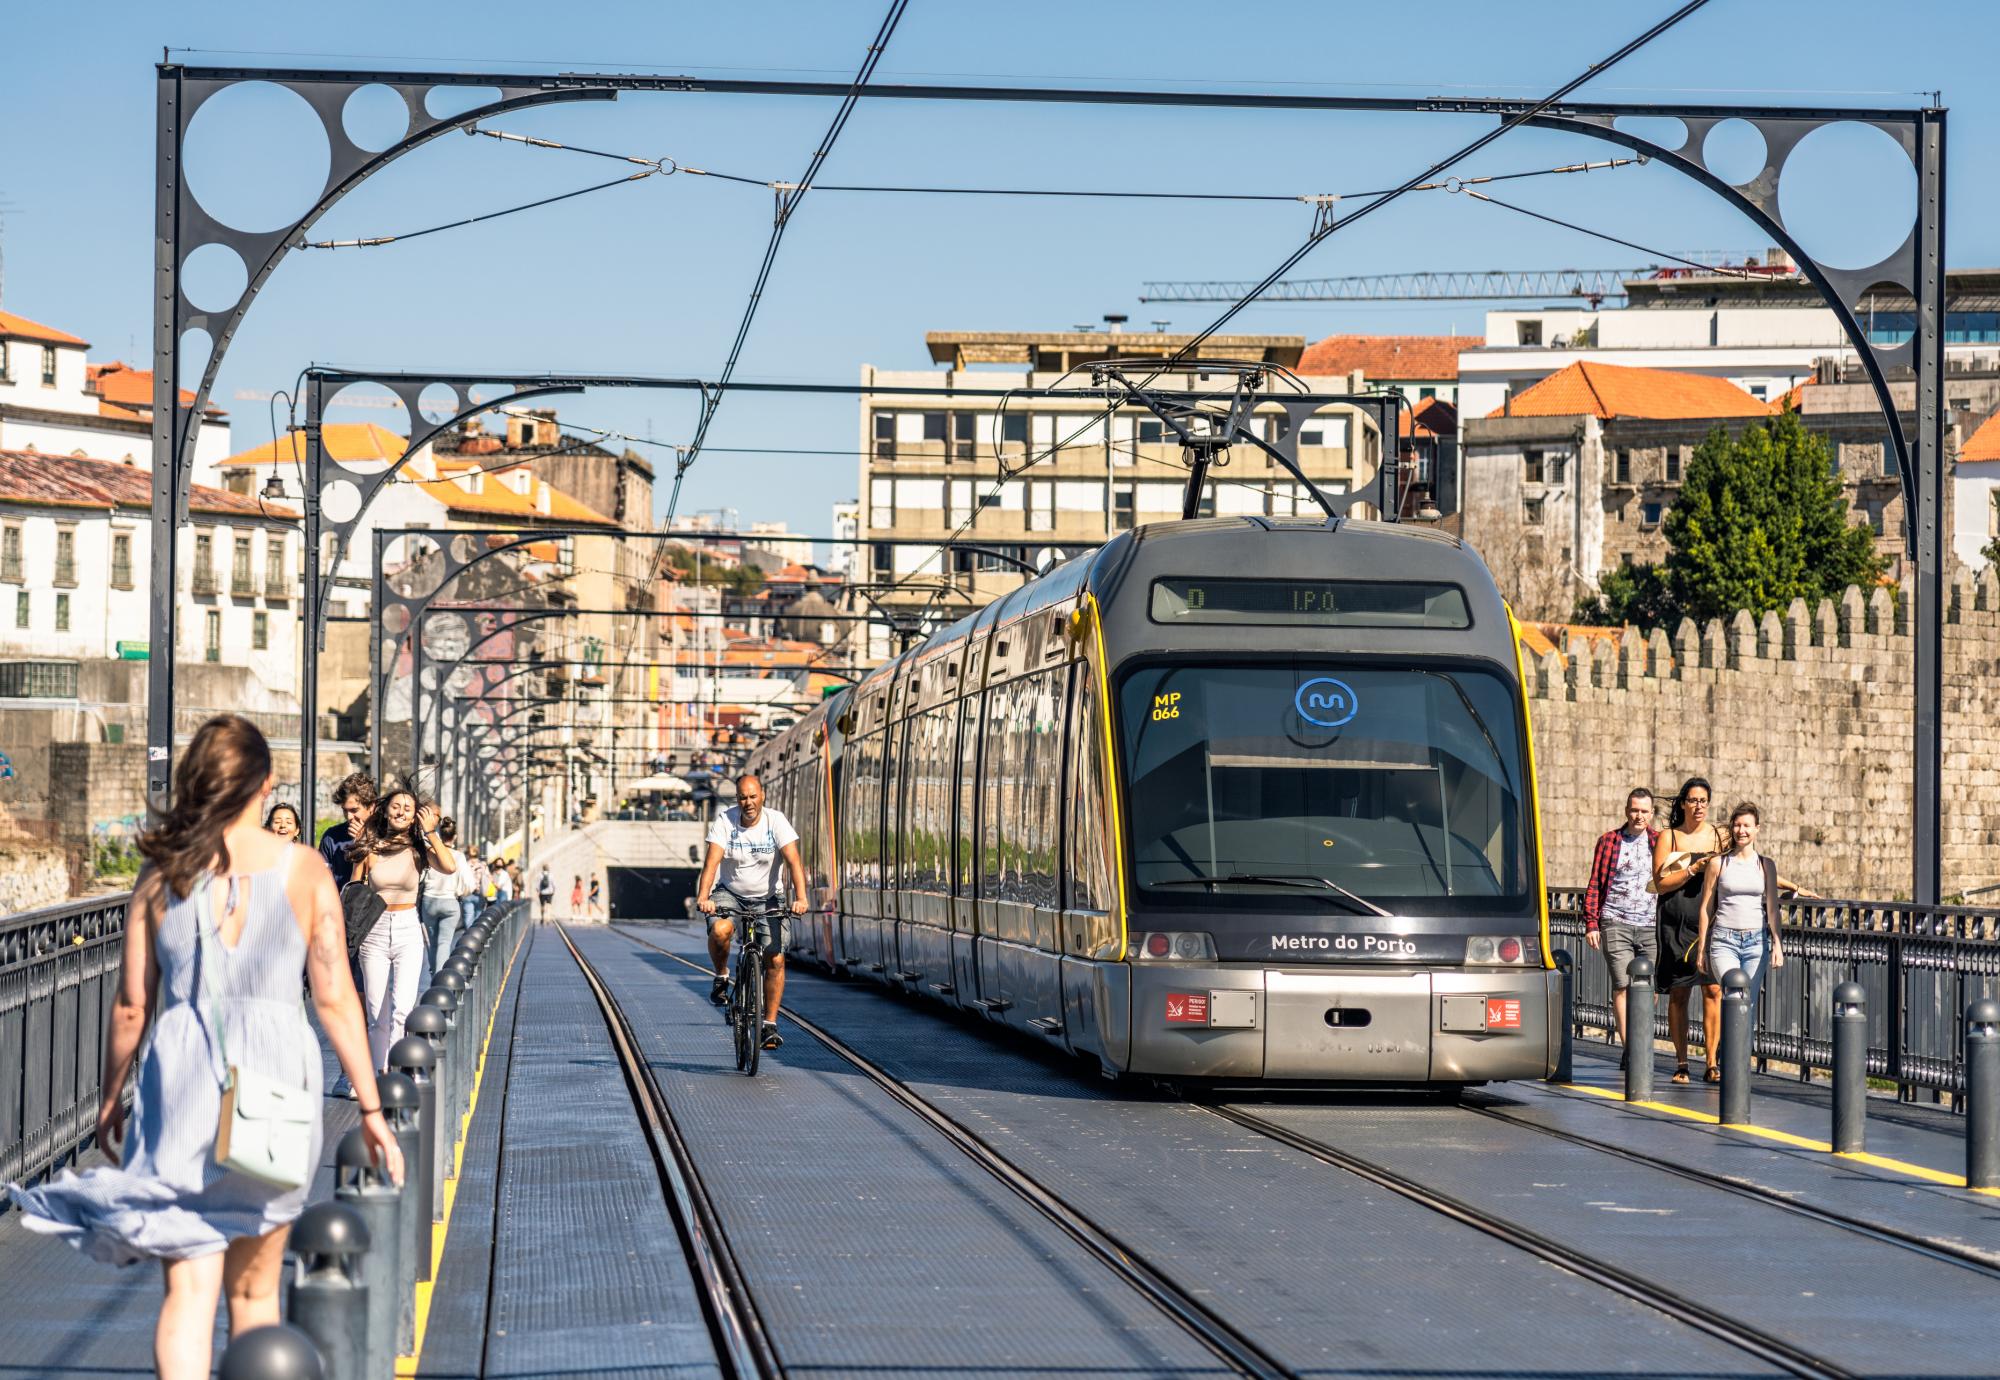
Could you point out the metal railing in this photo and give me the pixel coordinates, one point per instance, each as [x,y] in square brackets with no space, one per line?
[1921,966]
[58,976]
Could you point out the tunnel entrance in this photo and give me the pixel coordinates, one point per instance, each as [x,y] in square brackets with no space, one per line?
[651,893]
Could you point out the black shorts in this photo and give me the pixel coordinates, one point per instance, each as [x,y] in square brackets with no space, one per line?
[776,928]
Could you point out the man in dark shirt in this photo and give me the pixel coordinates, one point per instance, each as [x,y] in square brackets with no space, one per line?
[356,797]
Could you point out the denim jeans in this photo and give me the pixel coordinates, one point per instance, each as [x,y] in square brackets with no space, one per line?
[440,916]
[468,910]
[1745,949]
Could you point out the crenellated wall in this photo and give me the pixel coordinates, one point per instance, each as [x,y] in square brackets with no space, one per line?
[1806,712]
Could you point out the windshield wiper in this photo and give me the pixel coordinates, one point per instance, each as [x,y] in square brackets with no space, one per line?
[1358,904]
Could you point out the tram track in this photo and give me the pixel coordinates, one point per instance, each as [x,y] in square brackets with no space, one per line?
[1234,1348]
[743,1346]
[1747,1337]
[1941,1251]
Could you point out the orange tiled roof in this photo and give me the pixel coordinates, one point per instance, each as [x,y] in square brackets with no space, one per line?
[1431,417]
[344,441]
[1793,397]
[1983,444]
[123,391]
[496,498]
[1388,356]
[70,481]
[21,328]
[1587,388]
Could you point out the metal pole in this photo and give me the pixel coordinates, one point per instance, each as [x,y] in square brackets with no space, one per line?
[401,1106]
[428,1023]
[378,690]
[367,1192]
[1639,1031]
[1982,1094]
[165,536]
[1850,1068]
[1735,1048]
[329,1300]
[312,629]
[1927,784]
[277,1352]
[413,1057]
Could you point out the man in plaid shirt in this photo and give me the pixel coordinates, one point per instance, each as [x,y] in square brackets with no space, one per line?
[1620,915]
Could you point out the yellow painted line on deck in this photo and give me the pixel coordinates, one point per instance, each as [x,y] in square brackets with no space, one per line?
[1894,1166]
[407,1365]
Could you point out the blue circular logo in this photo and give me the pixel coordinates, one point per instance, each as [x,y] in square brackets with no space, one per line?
[1327,702]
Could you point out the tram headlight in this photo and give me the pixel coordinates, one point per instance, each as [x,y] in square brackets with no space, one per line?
[1184,946]
[1498,951]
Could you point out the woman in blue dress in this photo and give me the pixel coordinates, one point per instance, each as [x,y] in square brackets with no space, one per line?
[223,920]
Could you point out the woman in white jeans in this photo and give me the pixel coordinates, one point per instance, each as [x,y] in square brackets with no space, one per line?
[397,845]
[1739,907]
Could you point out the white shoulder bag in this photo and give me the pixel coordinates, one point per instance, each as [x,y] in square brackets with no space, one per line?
[265,1130]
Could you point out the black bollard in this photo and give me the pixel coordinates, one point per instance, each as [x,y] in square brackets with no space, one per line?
[401,1107]
[360,1185]
[1565,1070]
[276,1352]
[427,1022]
[451,1086]
[1982,1094]
[329,1299]
[413,1057]
[1639,1031]
[1735,1049]
[1850,1068]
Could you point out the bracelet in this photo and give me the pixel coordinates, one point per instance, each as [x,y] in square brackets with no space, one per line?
[370,1111]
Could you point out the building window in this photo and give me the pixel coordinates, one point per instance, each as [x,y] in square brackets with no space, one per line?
[885,436]
[212,637]
[1888,459]
[1152,431]
[1759,391]
[260,631]
[66,556]
[1124,507]
[10,552]
[48,366]
[275,586]
[881,503]
[1014,428]
[962,447]
[1552,467]
[1621,467]
[21,609]
[1424,394]
[62,613]
[121,560]
[204,563]
[1531,512]
[882,560]
[239,568]
[5,375]
[1527,332]
[1531,467]
[1041,505]
[1673,465]
[1649,515]
[934,426]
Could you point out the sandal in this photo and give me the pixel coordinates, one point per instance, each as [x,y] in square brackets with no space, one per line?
[1680,1073]
[1714,1075]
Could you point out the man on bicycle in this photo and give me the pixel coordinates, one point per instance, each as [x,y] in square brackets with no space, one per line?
[744,843]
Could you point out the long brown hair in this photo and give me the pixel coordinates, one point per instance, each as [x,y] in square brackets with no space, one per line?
[378,839]
[222,772]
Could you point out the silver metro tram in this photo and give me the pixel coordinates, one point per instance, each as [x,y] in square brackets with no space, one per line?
[1239,799]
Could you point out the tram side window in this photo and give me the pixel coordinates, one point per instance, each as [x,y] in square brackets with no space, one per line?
[969,714]
[1038,721]
[996,874]
[927,835]
[864,832]
[1089,881]
[893,771]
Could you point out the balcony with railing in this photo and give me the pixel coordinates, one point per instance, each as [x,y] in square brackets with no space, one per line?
[204,581]
[65,572]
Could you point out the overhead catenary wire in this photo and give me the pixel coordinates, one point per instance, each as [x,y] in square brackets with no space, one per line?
[1719,271]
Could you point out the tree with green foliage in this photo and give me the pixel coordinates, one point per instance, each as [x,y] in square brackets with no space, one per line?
[1990,552]
[1759,521]
[744,579]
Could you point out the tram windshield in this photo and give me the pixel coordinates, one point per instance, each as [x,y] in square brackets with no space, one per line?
[1402,788]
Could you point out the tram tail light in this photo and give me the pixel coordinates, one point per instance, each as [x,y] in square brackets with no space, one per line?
[1169,947]
[1497,951]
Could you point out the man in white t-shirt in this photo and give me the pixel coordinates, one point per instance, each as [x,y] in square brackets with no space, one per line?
[745,843]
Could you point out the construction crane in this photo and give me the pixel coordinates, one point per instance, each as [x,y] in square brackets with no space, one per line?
[1491,285]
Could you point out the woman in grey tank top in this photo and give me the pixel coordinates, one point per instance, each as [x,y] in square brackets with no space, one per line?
[1739,907]
[192,986]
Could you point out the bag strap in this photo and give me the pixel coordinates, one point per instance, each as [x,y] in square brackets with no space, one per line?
[204,928]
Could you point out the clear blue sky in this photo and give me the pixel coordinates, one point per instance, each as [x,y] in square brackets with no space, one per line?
[651,278]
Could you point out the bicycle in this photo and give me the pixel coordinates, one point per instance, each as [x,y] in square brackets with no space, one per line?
[746,998]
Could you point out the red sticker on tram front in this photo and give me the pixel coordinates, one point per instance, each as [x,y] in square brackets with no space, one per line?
[1503,1013]
[1187,1008]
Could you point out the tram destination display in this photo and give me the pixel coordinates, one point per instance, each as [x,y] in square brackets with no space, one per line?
[1325,603]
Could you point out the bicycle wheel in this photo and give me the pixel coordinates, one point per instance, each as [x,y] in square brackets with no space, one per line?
[749,1012]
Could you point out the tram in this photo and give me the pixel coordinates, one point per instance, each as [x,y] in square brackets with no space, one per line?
[1238,800]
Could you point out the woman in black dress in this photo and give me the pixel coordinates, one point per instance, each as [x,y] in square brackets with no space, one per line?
[1683,850]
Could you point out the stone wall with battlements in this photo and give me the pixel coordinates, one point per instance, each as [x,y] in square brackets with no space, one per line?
[1806,712]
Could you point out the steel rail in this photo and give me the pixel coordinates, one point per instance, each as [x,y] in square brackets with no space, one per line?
[1984,1264]
[1230,1345]
[742,1344]
[1747,1337]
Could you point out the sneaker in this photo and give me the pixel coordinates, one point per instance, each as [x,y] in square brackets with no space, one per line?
[718,991]
[772,1039]
[343,1088]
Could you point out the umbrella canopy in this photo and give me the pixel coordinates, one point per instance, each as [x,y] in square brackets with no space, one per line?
[663,784]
